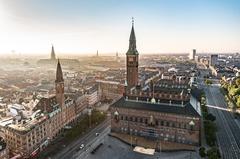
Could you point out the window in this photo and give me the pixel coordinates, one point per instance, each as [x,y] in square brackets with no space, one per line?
[130,119]
[156,122]
[185,126]
[146,121]
[162,123]
[177,125]
[167,123]
[141,120]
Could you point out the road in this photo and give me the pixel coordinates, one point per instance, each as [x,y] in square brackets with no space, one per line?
[71,151]
[228,134]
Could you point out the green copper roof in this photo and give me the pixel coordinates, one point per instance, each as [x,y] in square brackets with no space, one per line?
[132,50]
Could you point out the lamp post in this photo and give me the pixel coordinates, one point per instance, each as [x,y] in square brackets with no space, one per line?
[90,116]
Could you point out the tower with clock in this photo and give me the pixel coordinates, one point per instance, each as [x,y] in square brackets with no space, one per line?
[132,60]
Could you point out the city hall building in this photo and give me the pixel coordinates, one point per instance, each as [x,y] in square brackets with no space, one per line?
[168,111]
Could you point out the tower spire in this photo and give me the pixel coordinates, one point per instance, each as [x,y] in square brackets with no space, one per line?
[132,50]
[53,56]
[59,87]
[59,74]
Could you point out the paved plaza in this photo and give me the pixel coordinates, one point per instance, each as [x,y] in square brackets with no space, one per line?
[114,149]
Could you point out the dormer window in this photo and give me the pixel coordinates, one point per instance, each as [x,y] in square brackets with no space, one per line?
[116,116]
[191,124]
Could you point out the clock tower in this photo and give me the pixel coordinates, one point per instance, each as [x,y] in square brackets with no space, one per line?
[132,60]
[59,85]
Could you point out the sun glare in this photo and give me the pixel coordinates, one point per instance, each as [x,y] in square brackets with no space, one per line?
[2,16]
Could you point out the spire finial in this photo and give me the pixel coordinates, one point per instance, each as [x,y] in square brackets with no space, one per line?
[132,21]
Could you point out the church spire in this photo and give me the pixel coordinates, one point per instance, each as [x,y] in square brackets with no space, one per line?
[53,56]
[59,74]
[132,50]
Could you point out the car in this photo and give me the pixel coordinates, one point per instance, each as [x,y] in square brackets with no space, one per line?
[81,146]
[97,134]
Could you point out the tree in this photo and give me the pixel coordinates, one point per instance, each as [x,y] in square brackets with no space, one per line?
[208,82]
[238,82]
[238,102]
[234,91]
[213,153]
[210,132]
[210,117]
[202,152]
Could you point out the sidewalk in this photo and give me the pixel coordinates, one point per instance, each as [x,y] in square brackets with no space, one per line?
[141,141]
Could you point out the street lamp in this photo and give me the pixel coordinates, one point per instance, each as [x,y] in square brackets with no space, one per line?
[90,115]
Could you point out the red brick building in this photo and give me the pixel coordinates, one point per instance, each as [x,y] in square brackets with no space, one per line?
[167,110]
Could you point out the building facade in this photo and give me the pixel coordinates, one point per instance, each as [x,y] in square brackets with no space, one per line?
[4,152]
[172,121]
[109,89]
[213,60]
[167,110]
[27,137]
[92,95]
[192,54]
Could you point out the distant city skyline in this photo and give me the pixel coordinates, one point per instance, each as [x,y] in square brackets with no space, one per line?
[83,27]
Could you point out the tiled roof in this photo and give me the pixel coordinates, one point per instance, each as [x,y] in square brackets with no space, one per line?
[186,109]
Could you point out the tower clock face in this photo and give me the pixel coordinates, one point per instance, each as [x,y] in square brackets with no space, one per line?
[130,59]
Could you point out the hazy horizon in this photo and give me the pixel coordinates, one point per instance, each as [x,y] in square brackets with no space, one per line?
[83,27]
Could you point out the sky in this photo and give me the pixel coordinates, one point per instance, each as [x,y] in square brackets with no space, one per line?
[83,27]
